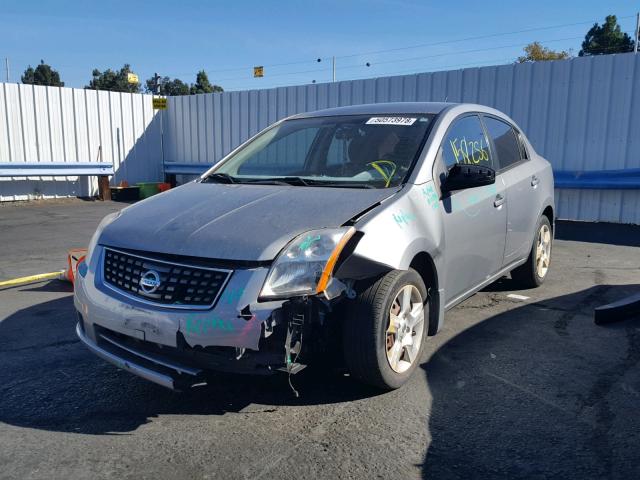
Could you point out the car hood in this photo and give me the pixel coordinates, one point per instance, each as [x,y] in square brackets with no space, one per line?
[234,222]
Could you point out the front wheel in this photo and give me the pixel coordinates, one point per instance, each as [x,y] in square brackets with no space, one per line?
[385,330]
[533,272]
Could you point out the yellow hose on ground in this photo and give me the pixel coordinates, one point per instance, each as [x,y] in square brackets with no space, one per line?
[33,278]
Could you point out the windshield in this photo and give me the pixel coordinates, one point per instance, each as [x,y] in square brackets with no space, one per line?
[365,151]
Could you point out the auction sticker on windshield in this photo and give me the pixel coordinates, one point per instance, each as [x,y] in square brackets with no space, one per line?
[391,121]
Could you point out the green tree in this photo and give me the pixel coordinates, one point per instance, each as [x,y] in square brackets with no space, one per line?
[606,39]
[535,52]
[172,87]
[43,74]
[114,81]
[203,85]
[167,86]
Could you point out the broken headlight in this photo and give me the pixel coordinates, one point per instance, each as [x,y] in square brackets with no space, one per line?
[305,266]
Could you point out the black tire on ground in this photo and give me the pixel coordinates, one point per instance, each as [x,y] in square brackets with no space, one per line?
[526,275]
[365,330]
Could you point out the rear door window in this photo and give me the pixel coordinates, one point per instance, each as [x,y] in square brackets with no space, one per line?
[466,143]
[504,140]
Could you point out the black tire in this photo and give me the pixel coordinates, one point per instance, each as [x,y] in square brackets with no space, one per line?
[365,330]
[526,275]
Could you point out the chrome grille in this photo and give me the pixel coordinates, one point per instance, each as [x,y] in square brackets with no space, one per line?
[179,286]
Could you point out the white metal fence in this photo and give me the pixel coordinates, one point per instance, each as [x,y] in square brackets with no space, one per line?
[52,124]
[581,114]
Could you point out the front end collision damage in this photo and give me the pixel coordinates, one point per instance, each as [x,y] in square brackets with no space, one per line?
[242,333]
[177,349]
[246,334]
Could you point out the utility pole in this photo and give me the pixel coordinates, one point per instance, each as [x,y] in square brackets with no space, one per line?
[635,45]
[6,67]
[333,67]
[156,84]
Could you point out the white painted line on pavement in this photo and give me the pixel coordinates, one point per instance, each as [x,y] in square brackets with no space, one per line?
[515,296]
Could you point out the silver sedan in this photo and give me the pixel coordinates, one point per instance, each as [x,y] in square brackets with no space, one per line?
[339,234]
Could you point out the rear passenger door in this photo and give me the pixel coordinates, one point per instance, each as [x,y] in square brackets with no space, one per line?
[520,178]
[474,218]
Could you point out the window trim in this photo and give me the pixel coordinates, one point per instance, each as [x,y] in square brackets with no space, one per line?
[524,153]
[516,133]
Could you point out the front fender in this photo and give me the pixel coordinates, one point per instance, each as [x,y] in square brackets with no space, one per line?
[395,234]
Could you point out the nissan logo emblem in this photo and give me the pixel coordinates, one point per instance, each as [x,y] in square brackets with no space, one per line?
[150,281]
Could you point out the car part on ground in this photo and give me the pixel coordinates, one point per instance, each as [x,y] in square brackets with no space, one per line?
[617,311]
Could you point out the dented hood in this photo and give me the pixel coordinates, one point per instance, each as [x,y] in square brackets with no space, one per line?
[234,222]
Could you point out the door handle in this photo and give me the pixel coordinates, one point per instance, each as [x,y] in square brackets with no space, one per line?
[498,201]
[534,181]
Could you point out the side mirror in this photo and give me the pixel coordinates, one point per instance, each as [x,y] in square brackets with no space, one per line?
[462,176]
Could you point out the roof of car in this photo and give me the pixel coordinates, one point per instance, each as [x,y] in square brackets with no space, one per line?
[379,108]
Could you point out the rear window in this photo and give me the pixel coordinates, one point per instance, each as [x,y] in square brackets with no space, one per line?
[505,141]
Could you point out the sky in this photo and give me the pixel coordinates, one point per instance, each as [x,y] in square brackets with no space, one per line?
[228,38]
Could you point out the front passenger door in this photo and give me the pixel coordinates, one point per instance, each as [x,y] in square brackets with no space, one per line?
[475,219]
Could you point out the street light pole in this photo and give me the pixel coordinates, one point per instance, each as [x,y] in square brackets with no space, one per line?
[6,67]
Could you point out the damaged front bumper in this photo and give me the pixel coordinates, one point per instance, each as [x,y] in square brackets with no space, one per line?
[176,348]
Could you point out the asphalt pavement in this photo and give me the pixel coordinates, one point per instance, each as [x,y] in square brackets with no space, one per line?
[510,388]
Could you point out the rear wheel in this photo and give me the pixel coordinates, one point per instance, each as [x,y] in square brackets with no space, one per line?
[385,330]
[534,271]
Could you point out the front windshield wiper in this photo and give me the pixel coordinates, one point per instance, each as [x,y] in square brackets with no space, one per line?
[297,181]
[321,183]
[220,178]
[305,182]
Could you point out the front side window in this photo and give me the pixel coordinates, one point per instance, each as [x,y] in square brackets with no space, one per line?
[373,151]
[466,143]
[504,140]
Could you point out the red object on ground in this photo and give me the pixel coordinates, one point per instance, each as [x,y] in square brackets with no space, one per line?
[163,187]
[74,257]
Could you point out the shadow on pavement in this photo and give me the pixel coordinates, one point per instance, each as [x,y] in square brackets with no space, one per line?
[539,391]
[609,233]
[51,381]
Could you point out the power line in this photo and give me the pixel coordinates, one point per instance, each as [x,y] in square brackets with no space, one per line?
[467,39]
[493,62]
[470,51]
[423,45]
[425,57]
[390,74]
[275,74]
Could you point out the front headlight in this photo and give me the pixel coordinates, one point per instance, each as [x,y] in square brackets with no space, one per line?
[305,266]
